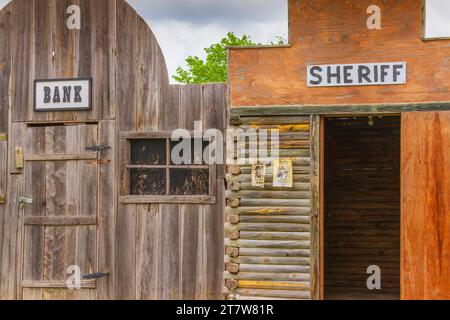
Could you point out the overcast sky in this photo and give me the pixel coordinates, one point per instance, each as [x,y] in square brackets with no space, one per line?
[185,27]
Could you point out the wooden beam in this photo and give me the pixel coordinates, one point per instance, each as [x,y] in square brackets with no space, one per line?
[315,206]
[62,157]
[148,134]
[61,221]
[168,199]
[85,284]
[299,110]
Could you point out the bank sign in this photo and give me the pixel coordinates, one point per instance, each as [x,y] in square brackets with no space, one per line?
[63,95]
[364,74]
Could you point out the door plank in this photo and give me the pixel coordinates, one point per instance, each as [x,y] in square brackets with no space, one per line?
[61,224]
[425,236]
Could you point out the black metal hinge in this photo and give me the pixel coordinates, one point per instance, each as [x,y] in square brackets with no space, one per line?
[96,275]
[98,148]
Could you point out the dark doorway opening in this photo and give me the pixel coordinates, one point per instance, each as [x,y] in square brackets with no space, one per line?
[361,207]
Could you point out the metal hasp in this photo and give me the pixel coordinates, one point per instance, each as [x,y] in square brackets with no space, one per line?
[96,275]
[98,148]
[24,201]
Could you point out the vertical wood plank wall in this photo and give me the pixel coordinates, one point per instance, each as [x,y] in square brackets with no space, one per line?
[151,251]
[425,202]
[268,231]
[174,251]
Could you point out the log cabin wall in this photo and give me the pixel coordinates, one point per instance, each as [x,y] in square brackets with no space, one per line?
[268,238]
[150,250]
[271,82]
[362,206]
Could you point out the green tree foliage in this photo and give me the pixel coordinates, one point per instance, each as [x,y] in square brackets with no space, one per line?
[214,68]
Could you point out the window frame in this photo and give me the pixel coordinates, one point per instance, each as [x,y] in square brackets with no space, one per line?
[125,167]
[424,25]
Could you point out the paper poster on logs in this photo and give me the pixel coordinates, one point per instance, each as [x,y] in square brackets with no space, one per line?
[283,173]
[258,175]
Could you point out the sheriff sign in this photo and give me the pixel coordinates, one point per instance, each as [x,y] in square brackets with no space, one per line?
[365,74]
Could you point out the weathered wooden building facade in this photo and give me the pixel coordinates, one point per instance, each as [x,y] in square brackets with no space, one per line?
[362,114]
[96,188]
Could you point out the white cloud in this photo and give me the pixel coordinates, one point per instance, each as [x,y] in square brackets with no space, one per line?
[185,27]
[181,39]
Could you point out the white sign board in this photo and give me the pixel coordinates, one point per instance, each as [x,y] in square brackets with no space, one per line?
[363,74]
[63,95]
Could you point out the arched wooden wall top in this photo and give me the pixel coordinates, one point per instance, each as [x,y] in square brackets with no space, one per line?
[115,47]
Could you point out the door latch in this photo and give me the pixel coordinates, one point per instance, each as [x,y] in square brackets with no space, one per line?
[96,275]
[24,201]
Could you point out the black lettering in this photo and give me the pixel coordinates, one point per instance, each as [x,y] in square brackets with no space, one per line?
[67,91]
[375,74]
[397,73]
[336,75]
[47,95]
[348,74]
[363,74]
[56,96]
[384,73]
[315,72]
[77,94]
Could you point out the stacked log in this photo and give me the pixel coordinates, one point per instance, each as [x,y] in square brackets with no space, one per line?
[268,230]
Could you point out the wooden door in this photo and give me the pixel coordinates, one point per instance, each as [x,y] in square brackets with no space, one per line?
[60,226]
[425,175]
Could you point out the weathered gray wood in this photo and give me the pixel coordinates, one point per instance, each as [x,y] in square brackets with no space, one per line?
[214,234]
[169,263]
[5,71]
[3,169]
[125,254]
[148,244]
[190,247]
[22,48]
[168,199]
[78,189]
[85,284]
[107,203]
[59,221]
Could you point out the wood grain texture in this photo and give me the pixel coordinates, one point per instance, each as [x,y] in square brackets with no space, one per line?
[266,230]
[362,205]
[5,67]
[322,33]
[60,226]
[131,93]
[316,177]
[425,184]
